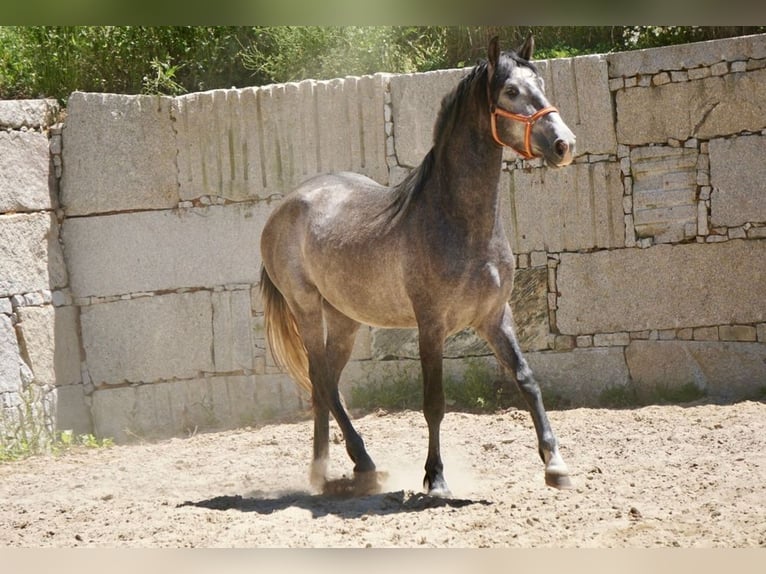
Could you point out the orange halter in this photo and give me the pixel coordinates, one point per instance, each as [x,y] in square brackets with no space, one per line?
[529,121]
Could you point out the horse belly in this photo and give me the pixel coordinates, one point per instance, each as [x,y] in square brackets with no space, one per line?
[368,293]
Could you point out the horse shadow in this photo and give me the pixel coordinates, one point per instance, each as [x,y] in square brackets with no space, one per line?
[321,505]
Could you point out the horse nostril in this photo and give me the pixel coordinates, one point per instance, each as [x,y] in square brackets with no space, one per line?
[561,147]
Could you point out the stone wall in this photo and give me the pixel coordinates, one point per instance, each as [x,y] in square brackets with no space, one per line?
[640,267]
[39,337]
[643,264]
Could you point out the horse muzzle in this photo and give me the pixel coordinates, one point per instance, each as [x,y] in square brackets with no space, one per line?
[559,141]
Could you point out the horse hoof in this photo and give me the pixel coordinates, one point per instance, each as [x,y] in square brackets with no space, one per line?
[438,488]
[440,492]
[560,481]
[318,473]
[370,482]
[362,484]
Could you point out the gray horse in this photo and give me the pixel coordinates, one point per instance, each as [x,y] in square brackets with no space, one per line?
[431,253]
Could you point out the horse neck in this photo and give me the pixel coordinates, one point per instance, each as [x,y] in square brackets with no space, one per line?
[468,165]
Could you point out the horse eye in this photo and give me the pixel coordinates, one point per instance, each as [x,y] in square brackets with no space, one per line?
[512,91]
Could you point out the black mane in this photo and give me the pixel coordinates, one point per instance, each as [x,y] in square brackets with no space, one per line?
[404,193]
[453,102]
[451,108]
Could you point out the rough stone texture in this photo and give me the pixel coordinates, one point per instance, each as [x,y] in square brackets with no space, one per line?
[684,56]
[179,408]
[610,339]
[722,370]
[362,350]
[10,381]
[51,343]
[257,142]
[364,373]
[403,344]
[707,108]
[736,333]
[17,114]
[566,209]
[119,153]
[579,88]
[71,411]
[416,101]
[663,287]
[232,329]
[30,255]
[351,127]
[24,172]
[579,377]
[275,395]
[218,146]
[199,247]
[529,302]
[738,176]
[664,191]
[151,411]
[149,339]
[705,334]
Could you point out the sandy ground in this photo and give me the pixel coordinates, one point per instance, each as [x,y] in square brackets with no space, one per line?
[659,476]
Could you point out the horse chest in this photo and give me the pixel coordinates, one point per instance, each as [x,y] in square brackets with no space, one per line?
[491,282]
[480,271]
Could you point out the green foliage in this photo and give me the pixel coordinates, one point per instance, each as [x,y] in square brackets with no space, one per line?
[28,430]
[618,396]
[66,440]
[162,80]
[53,61]
[678,394]
[477,390]
[634,37]
[291,53]
[400,391]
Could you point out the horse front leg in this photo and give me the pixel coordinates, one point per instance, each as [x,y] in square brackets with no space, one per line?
[500,334]
[431,343]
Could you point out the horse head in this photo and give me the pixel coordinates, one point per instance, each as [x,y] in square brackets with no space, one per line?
[520,115]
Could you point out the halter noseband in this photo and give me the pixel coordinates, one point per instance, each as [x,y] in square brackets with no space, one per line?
[529,121]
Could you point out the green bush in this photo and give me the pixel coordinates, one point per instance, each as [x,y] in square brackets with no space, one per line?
[53,61]
[478,389]
[29,430]
[290,53]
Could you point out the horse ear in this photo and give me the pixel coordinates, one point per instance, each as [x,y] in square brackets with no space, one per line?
[527,48]
[493,53]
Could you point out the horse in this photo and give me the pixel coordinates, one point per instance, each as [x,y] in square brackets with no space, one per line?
[342,250]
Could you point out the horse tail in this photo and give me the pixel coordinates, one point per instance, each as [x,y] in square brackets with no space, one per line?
[282,334]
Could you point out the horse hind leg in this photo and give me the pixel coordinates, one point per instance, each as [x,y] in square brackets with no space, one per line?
[307,370]
[329,337]
[340,335]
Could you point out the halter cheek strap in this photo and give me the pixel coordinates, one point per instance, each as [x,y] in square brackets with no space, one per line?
[529,121]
